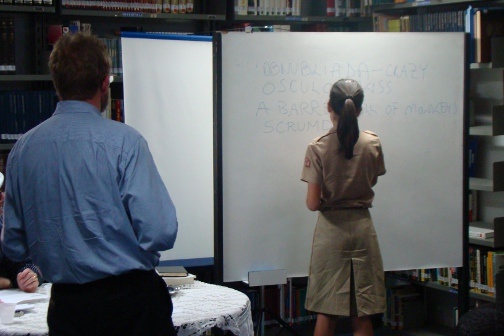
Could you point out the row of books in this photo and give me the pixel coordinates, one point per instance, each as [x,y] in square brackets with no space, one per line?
[27,2]
[405,308]
[115,49]
[473,150]
[55,31]
[7,46]
[267,7]
[348,8]
[484,265]
[115,110]
[23,110]
[484,25]
[449,21]
[388,2]
[473,206]
[143,6]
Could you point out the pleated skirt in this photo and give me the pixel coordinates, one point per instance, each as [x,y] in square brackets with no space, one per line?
[346,275]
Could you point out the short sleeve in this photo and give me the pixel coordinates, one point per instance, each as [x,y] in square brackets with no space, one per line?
[312,168]
[380,161]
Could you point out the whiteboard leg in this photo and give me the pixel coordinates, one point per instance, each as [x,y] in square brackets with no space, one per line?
[262,308]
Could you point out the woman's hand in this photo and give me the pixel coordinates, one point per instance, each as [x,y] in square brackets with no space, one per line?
[27,281]
[5,283]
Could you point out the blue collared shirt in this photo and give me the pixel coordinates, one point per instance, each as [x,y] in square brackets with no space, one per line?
[84,198]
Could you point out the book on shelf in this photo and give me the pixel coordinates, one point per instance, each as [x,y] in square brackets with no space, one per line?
[7,46]
[267,7]
[473,206]
[397,298]
[487,24]
[172,271]
[479,232]
[473,149]
[179,280]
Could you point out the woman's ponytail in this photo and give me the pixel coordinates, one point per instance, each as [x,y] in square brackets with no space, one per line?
[348,128]
[346,99]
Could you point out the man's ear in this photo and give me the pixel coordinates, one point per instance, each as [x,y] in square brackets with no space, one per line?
[105,84]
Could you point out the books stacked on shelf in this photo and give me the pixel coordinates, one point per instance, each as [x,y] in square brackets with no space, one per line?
[348,8]
[483,26]
[178,6]
[484,264]
[114,47]
[27,3]
[473,150]
[449,21]
[405,308]
[295,311]
[473,206]
[23,110]
[268,7]
[487,24]
[290,307]
[7,46]
[137,6]
[116,110]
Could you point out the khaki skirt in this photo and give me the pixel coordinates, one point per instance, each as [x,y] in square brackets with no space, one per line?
[346,270]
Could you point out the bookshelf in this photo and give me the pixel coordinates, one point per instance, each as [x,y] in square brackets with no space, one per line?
[486,95]
[31,55]
[485,129]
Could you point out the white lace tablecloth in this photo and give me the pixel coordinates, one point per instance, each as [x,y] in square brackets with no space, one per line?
[200,307]
[197,308]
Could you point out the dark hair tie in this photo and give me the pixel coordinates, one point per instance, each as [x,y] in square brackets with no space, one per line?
[349,97]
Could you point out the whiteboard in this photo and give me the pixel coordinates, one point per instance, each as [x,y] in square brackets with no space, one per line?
[168,98]
[275,87]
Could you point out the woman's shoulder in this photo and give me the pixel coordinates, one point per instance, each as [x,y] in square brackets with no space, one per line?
[370,135]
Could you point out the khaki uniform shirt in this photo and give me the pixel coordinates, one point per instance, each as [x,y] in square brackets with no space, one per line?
[345,183]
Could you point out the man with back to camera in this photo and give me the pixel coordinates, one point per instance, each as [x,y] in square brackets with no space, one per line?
[85,200]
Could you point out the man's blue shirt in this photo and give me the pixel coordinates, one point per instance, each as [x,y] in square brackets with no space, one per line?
[84,198]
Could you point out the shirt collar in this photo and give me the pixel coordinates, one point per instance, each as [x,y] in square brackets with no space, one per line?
[75,106]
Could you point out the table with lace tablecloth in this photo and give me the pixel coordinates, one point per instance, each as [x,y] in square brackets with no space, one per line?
[197,308]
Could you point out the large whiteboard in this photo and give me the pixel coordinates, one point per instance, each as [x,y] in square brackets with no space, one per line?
[168,98]
[275,87]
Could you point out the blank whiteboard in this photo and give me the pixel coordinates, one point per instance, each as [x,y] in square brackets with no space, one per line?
[168,98]
[275,87]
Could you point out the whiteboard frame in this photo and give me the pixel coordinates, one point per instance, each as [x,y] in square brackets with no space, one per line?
[219,98]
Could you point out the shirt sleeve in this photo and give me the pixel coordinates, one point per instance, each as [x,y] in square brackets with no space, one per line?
[147,201]
[312,168]
[380,161]
[13,236]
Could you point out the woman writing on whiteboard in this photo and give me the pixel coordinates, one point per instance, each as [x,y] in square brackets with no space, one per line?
[346,275]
